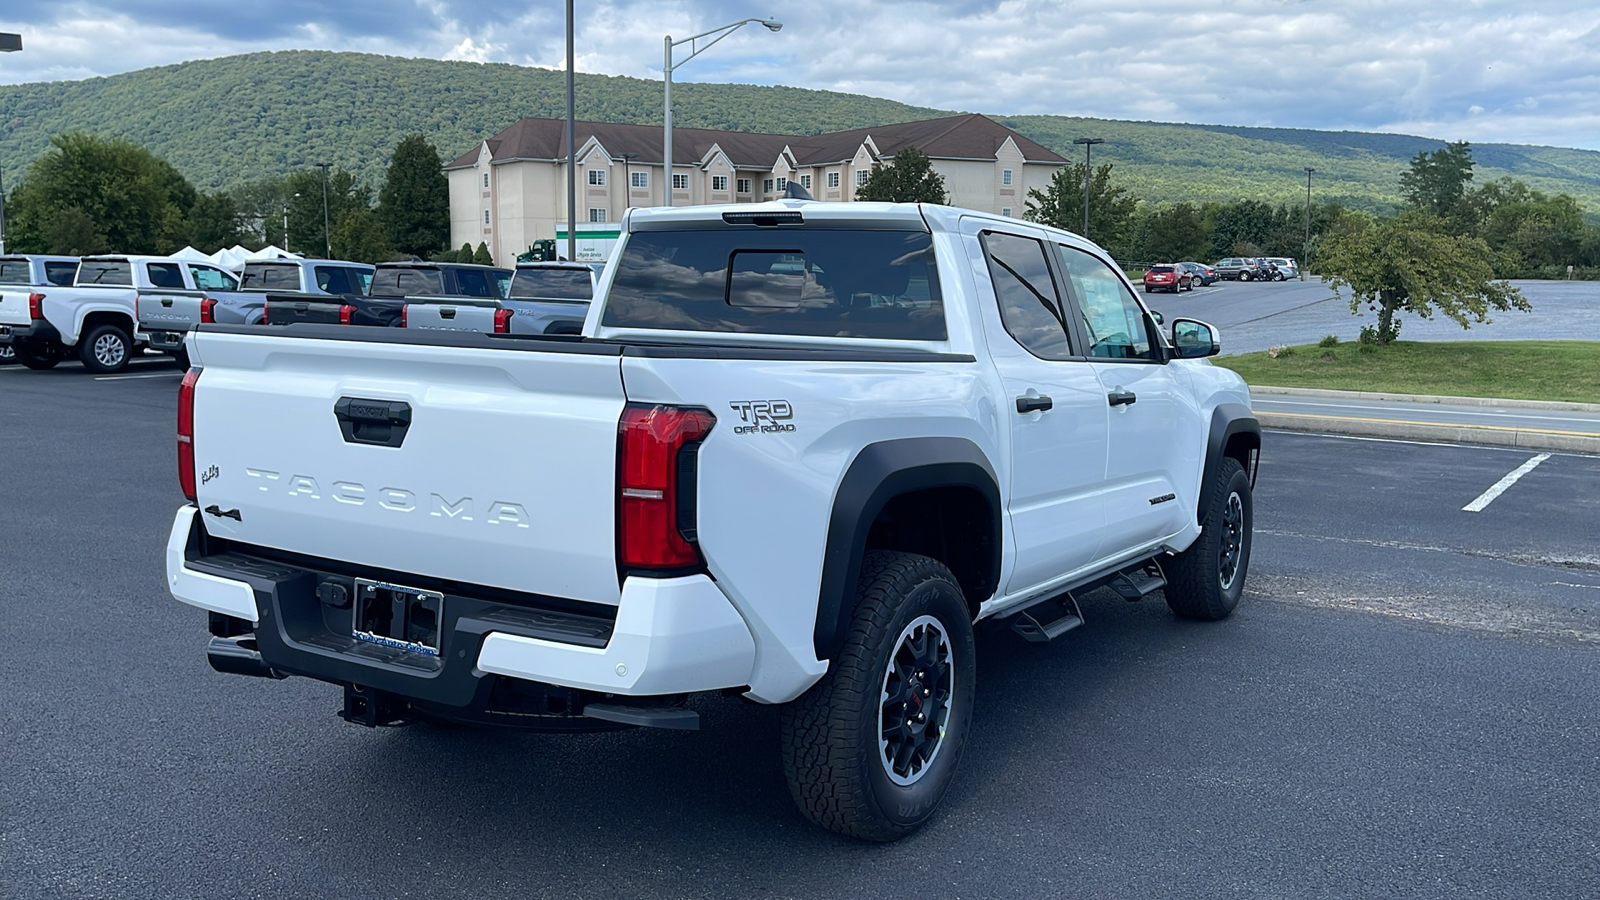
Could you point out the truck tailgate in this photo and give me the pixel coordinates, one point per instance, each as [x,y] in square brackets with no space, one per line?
[438,316]
[14,304]
[505,475]
[168,311]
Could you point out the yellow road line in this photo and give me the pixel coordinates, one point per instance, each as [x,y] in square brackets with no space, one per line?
[1433,424]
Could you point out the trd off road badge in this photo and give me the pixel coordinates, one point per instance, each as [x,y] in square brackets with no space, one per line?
[763,416]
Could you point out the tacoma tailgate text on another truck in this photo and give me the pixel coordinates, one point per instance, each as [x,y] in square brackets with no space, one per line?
[798,451]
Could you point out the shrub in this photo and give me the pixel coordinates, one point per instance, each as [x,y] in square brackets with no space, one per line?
[1331,340]
[1278,352]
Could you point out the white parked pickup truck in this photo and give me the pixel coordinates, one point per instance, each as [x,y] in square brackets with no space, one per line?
[21,275]
[97,316]
[797,452]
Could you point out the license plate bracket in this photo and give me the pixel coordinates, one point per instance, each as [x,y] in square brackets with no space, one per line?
[401,618]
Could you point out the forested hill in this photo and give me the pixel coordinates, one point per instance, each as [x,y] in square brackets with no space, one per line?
[240,119]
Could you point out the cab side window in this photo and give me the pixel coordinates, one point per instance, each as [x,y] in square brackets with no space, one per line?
[1112,317]
[209,279]
[165,275]
[1030,306]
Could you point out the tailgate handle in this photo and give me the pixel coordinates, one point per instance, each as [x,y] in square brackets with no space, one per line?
[166,301]
[447,312]
[382,423]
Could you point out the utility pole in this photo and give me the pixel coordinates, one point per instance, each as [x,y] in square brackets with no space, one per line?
[1088,145]
[1305,259]
[627,180]
[327,233]
[572,152]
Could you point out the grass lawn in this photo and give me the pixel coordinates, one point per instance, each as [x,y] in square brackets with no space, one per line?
[1518,370]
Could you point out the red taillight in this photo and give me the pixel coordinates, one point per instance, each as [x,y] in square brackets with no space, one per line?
[186,431]
[208,308]
[403,315]
[502,321]
[36,307]
[345,312]
[266,312]
[656,450]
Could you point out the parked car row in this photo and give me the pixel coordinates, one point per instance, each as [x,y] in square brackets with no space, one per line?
[106,309]
[1258,268]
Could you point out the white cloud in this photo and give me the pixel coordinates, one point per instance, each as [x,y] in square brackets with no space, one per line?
[1491,70]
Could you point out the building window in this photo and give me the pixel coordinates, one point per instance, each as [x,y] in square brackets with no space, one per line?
[744,185]
[861,177]
[833,179]
[680,182]
[640,179]
[1005,211]
[596,214]
[805,182]
[766,186]
[486,217]
[719,182]
[783,185]
[486,180]
[597,177]
[1005,177]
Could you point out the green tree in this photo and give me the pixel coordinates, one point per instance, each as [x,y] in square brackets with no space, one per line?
[465,253]
[414,202]
[1060,205]
[1174,234]
[1436,183]
[359,236]
[90,194]
[482,256]
[909,178]
[347,200]
[1410,263]
[214,222]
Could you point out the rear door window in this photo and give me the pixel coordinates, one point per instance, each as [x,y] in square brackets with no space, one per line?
[1030,306]
[165,275]
[818,282]
[477,283]
[59,273]
[333,279]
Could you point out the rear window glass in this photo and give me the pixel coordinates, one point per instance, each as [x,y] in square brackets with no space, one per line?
[15,271]
[553,284]
[60,273]
[406,282]
[477,283]
[107,271]
[1160,269]
[813,282]
[270,277]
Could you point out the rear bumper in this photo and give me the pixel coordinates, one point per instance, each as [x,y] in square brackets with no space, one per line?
[37,331]
[166,340]
[666,637]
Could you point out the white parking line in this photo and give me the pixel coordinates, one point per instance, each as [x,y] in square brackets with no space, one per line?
[1487,497]
[131,377]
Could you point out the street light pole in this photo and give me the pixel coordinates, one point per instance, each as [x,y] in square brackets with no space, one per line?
[8,43]
[667,67]
[327,233]
[1305,258]
[1088,145]
[572,152]
[627,179]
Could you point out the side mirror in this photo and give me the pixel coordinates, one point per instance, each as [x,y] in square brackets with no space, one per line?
[1160,319]
[1193,339]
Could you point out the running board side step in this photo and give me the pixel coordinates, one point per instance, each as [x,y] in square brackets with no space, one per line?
[1060,616]
[1137,584]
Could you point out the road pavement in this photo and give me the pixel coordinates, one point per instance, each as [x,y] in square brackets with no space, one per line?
[1403,706]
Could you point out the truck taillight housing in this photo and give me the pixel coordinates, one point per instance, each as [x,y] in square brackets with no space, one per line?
[345,312]
[657,455]
[502,321]
[208,310]
[186,431]
[403,314]
[36,306]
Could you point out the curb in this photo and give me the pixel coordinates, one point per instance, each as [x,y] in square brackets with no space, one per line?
[1497,436]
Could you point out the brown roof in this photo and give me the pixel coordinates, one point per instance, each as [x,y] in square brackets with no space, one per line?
[970,136]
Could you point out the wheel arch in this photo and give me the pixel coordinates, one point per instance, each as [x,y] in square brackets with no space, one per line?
[95,317]
[913,495]
[1235,434]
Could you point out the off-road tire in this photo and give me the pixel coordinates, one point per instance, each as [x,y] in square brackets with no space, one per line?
[1205,581]
[37,361]
[99,351]
[831,734]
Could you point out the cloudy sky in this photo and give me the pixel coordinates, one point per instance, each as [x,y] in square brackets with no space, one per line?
[1517,71]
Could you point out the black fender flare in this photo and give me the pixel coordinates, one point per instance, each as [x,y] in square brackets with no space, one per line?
[878,474]
[1228,420]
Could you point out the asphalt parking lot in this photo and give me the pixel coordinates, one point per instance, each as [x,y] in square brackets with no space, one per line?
[1404,705]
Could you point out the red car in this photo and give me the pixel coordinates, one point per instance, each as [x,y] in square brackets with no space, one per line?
[1168,277]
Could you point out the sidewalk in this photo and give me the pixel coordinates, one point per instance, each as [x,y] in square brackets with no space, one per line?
[1529,424]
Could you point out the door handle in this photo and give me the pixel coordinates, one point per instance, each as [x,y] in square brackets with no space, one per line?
[1034,404]
[380,422]
[1121,398]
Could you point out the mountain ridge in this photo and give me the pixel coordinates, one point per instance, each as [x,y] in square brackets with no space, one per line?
[238,119]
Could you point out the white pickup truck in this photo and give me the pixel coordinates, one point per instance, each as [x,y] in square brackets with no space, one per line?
[21,275]
[544,298]
[97,317]
[798,451]
[167,318]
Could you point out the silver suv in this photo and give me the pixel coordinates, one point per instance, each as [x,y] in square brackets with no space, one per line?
[1239,268]
[1287,267]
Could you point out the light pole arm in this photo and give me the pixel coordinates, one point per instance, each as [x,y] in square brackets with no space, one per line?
[694,50]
